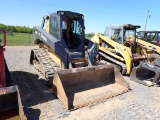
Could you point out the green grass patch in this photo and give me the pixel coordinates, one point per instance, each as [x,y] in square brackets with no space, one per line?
[19,39]
[89,38]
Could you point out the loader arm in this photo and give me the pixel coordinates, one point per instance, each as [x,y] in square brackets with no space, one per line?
[150,47]
[114,49]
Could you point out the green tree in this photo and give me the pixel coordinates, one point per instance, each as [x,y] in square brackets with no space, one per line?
[18,29]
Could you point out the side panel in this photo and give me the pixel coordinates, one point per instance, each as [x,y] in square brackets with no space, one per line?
[41,35]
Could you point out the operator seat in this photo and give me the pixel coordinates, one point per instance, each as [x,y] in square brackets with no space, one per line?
[66,31]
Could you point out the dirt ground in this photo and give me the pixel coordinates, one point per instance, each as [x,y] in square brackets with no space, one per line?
[141,102]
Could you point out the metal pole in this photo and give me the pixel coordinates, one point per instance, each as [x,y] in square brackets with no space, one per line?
[146,20]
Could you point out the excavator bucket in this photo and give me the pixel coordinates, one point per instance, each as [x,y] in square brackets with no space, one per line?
[78,87]
[146,74]
[10,104]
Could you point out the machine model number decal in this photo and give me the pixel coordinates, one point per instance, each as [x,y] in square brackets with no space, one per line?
[44,38]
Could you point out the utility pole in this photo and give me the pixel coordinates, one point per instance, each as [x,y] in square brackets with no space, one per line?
[146,19]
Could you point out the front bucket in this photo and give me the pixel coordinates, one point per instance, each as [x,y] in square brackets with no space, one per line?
[10,104]
[80,86]
[143,76]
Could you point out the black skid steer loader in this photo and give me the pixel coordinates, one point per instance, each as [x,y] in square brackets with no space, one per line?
[68,62]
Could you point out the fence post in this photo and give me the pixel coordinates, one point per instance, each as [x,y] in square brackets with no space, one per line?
[29,40]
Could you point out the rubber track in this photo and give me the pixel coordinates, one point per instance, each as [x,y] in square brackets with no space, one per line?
[122,65]
[47,65]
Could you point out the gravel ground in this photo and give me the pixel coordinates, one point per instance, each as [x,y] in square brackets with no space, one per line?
[141,102]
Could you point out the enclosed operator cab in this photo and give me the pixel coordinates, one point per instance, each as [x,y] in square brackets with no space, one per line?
[152,37]
[121,33]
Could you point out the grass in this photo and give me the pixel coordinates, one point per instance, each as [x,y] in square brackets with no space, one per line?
[19,39]
[89,38]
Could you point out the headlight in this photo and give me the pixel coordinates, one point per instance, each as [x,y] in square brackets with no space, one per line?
[62,13]
[82,16]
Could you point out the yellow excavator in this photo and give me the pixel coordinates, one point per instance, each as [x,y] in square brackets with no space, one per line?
[68,62]
[120,46]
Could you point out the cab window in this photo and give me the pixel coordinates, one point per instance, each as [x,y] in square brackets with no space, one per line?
[54,27]
[116,35]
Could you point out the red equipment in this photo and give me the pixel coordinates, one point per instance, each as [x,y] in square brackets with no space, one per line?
[2,62]
[10,101]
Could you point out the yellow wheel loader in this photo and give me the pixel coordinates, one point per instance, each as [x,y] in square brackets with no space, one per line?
[68,62]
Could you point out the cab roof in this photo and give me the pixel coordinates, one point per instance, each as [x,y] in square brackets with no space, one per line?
[125,26]
[61,12]
[153,31]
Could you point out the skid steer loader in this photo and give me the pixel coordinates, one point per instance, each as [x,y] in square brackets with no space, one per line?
[120,46]
[70,66]
[10,101]
[117,46]
[151,42]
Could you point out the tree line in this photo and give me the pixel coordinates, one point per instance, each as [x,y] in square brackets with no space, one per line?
[24,29]
[16,29]
[91,34]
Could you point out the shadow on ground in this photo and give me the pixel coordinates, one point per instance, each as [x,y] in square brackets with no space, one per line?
[33,92]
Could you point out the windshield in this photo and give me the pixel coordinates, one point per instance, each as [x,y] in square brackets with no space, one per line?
[72,32]
[129,35]
[151,37]
[76,27]
[116,35]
